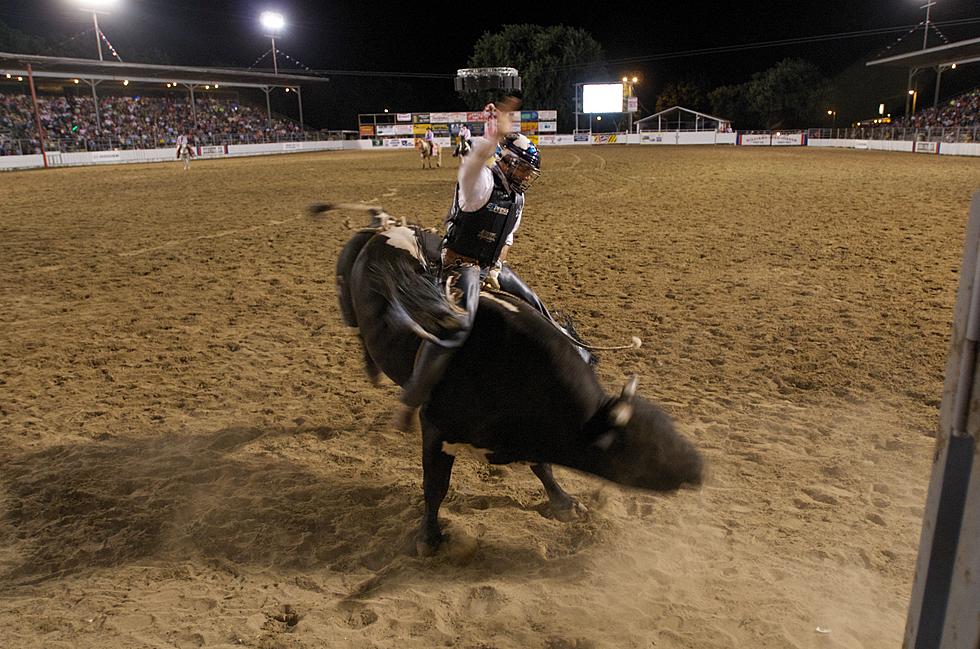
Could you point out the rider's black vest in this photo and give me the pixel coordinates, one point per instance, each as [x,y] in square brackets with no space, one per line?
[483,233]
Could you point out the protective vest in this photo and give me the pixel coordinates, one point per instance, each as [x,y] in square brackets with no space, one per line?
[482,234]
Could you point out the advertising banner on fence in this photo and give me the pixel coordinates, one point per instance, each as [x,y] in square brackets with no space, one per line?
[548,127]
[549,115]
[403,117]
[421,118]
[476,117]
[581,137]
[652,138]
[604,138]
[403,129]
[925,147]
[106,156]
[419,129]
[441,130]
[529,127]
[387,129]
[441,117]
[400,142]
[754,139]
[544,140]
[366,129]
[292,146]
[212,151]
[529,115]
[788,139]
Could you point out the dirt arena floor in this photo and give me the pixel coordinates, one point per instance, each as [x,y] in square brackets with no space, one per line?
[191,456]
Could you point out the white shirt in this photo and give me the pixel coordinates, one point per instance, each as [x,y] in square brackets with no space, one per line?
[476,182]
[464,133]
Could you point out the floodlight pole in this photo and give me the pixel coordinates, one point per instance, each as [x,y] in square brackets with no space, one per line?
[98,34]
[275,65]
[268,105]
[95,100]
[925,36]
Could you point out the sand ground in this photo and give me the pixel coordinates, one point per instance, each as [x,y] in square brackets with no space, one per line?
[191,456]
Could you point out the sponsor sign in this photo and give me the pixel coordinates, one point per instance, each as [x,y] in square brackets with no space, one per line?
[925,147]
[548,127]
[106,156]
[403,117]
[421,118]
[54,159]
[546,139]
[754,139]
[476,117]
[787,139]
[403,129]
[367,129]
[529,115]
[652,138]
[604,138]
[547,115]
[400,142]
[581,137]
[419,129]
[632,104]
[529,127]
[212,151]
[292,146]
[457,117]
[441,117]
[441,130]
[386,129]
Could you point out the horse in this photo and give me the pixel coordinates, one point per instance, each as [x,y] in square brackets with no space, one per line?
[517,390]
[463,149]
[428,149]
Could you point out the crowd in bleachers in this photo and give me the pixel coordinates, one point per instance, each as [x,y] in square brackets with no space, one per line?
[962,111]
[132,122]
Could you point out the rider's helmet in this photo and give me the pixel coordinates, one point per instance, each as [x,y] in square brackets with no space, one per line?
[523,161]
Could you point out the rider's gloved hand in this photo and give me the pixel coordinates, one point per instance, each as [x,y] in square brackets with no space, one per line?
[493,277]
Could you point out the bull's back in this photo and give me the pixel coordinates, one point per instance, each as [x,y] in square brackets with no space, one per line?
[345,265]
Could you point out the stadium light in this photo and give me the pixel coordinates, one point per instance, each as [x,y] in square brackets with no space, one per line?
[635,79]
[273,22]
[75,80]
[96,7]
[126,82]
[952,67]
[386,110]
[625,80]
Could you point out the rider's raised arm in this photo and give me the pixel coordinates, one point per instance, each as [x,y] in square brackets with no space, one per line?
[475,178]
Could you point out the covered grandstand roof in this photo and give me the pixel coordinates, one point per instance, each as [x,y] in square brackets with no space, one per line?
[960,53]
[61,68]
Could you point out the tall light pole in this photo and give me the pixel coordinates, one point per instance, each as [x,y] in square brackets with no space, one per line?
[96,7]
[273,22]
[925,37]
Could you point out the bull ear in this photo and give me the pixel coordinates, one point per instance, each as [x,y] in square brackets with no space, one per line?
[605,440]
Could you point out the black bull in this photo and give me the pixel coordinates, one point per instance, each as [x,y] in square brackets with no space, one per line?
[516,391]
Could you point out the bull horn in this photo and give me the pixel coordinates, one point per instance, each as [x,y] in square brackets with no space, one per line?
[629,390]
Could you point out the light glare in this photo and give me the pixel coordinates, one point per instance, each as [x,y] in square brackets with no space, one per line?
[272,20]
[96,5]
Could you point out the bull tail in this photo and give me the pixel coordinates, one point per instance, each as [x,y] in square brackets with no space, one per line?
[380,219]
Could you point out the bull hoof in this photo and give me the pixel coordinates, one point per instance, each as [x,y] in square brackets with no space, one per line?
[426,546]
[573,510]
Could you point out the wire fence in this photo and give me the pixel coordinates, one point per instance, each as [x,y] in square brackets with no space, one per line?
[947,134]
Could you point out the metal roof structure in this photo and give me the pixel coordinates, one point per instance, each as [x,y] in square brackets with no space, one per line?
[661,118]
[939,58]
[958,53]
[67,68]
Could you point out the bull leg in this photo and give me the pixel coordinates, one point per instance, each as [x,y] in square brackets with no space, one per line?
[437,468]
[370,368]
[563,506]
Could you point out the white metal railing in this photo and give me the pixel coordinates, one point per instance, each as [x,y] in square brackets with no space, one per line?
[950,134]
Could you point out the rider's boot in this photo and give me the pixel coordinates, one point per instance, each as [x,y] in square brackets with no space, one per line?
[511,283]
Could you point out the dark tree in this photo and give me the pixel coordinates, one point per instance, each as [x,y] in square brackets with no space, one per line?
[550,60]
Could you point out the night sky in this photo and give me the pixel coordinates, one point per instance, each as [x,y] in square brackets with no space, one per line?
[347,35]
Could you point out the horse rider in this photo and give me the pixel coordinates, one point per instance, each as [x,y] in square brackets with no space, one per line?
[463,142]
[184,151]
[480,227]
[430,137]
